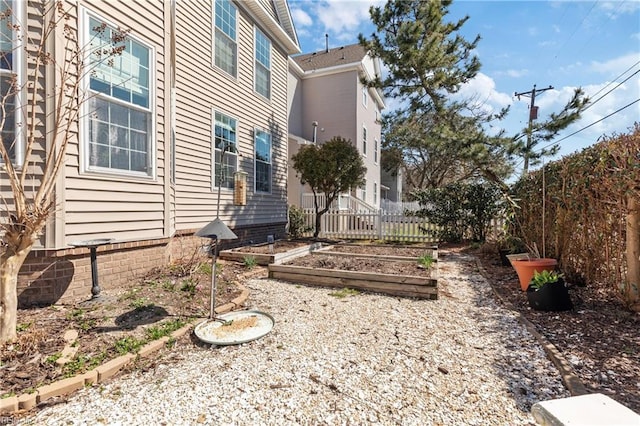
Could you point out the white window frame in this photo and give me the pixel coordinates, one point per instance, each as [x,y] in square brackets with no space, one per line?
[364,140]
[257,63]
[19,71]
[255,161]
[214,150]
[85,151]
[375,150]
[365,96]
[363,191]
[214,37]
[375,193]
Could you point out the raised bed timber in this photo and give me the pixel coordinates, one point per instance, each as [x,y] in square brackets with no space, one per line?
[339,250]
[264,259]
[393,284]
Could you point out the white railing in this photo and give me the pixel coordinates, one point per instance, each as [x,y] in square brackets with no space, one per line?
[343,202]
[336,224]
[399,206]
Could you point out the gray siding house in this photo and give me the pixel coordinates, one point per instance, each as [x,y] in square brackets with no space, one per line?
[327,99]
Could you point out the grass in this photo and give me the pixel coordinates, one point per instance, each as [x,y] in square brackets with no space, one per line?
[249,262]
[426,261]
[345,292]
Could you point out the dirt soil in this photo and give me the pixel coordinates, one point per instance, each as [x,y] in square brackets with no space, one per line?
[360,264]
[600,339]
[119,321]
[279,246]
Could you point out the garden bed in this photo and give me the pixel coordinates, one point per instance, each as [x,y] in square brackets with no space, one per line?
[263,254]
[362,271]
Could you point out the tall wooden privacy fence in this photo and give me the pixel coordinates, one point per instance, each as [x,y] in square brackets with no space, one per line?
[381,225]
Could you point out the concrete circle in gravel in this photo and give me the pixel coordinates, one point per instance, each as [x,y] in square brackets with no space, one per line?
[235,328]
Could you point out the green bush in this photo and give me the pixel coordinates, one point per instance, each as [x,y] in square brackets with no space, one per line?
[460,210]
[297,222]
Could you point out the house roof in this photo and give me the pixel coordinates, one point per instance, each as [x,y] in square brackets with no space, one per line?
[283,30]
[353,53]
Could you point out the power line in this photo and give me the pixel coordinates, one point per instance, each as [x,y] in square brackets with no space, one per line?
[623,73]
[618,85]
[592,124]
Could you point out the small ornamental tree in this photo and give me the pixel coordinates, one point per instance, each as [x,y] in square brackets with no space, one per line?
[38,111]
[329,169]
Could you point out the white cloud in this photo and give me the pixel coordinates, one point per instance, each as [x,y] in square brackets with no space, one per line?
[301,18]
[340,16]
[482,90]
[614,66]
[513,73]
[615,9]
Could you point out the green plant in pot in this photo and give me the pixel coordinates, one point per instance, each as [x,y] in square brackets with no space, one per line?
[547,292]
[508,244]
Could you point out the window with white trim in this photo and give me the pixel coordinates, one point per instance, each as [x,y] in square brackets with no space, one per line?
[364,141]
[365,96]
[375,192]
[120,115]
[225,142]
[10,74]
[363,191]
[262,70]
[375,151]
[262,161]
[226,45]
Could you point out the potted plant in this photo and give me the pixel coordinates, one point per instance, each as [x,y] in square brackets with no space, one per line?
[547,292]
[509,245]
[528,264]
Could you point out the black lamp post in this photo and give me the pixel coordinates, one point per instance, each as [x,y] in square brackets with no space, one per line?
[216,230]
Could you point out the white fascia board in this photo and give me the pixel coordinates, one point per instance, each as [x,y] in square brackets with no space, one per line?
[259,14]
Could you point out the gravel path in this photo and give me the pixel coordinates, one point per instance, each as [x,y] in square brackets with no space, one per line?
[364,359]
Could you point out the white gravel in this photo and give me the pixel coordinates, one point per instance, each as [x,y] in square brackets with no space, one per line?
[364,359]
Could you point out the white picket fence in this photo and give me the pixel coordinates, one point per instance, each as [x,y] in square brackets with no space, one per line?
[381,225]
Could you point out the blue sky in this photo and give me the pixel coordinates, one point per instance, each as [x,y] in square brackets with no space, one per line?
[565,44]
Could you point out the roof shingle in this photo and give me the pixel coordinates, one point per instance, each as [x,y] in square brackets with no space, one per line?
[350,54]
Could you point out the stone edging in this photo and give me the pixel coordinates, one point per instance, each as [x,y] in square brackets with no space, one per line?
[568,376]
[100,374]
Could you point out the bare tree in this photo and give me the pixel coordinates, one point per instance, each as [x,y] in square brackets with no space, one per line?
[33,143]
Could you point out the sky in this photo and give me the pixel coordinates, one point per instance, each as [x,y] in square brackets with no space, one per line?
[566,44]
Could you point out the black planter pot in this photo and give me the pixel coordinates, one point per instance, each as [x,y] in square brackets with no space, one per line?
[503,256]
[551,297]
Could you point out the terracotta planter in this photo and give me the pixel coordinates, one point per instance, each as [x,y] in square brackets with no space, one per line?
[526,267]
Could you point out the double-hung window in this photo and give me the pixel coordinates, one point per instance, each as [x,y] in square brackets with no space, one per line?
[263,161]
[263,65]
[225,134]
[365,96]
[363,191]
[226,46]
[375,151]
[120,116]
[10,64]
[364,141]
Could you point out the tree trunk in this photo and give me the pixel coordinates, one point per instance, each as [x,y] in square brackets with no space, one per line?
[631,288]
[9,269]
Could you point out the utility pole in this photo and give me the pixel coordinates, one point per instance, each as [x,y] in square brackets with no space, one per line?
[533,114]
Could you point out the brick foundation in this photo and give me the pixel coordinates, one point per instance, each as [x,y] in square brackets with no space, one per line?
[64,276]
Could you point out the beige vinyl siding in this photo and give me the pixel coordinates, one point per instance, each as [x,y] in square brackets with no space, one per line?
[113,205]
[32,25]
[331,100]
[203,89]
[367,117]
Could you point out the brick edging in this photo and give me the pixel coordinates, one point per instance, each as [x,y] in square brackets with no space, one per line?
[567,374]
[102,373]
